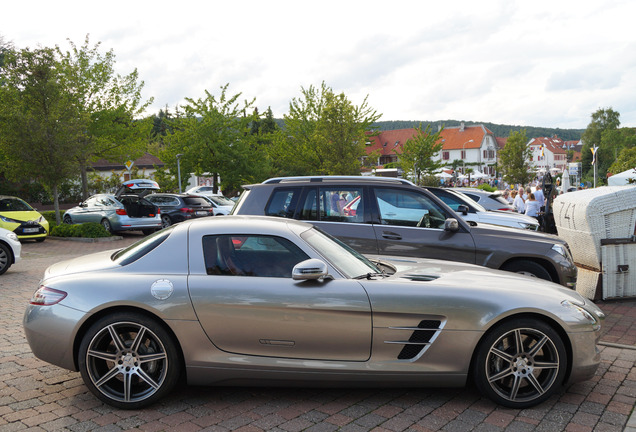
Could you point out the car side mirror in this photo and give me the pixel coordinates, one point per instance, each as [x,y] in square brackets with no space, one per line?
[82,204]
[451,224]
[463,209]
[311,269]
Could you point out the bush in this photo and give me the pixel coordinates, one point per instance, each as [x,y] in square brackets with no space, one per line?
[49,215]
[87,230]
[486,187]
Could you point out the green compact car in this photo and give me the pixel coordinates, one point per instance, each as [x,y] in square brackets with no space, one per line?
[22,219]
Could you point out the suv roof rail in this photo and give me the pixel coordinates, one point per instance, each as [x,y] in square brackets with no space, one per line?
[320,179]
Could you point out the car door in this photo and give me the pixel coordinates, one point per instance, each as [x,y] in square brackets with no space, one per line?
[90,210]
[409,222]
[340,210]
[247,302]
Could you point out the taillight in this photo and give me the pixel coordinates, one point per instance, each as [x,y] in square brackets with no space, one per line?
[121,212]
[506,209]
[45,296]
[186,210]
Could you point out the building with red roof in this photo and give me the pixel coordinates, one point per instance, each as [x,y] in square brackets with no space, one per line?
[475,146]
[548,153]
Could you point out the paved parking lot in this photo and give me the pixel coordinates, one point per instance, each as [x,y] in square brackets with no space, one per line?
[35,396]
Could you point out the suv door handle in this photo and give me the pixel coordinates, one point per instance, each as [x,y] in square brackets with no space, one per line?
[391,235]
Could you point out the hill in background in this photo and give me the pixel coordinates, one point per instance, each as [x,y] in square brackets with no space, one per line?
[497,129]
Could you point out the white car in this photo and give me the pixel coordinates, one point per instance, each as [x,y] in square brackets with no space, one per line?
[10,248]
[472,211]
[221,204]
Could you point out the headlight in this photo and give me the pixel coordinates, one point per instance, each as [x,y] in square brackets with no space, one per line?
[6,219]
[561,250]
[580,310]
[12,236]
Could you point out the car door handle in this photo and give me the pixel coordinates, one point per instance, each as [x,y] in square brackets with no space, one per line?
[391,235]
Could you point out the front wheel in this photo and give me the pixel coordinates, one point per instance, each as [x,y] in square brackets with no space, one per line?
[67,220]
[5,258]
[528,268]
[165,221]
[520,363]
[128,360]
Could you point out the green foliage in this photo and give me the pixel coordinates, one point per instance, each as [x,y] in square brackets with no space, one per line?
[487,187]
[212,135]
[86,230]
[419,154]
[429,180]
[49,215]
[626,160]
[514,159]
[324,133]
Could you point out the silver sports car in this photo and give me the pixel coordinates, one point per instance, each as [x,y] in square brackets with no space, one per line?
[257,301]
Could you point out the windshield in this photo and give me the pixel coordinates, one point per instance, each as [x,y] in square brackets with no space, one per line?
[221,200]
[472,202]
[14,204]
[142,247]
[351,263]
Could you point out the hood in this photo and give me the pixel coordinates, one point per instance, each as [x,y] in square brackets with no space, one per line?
[452,275]
[513,234]
[22,216]
[86,263]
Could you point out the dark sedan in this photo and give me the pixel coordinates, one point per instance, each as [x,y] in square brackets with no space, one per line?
[179,207]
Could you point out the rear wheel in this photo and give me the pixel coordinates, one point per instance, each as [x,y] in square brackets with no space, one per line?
[67,220]
[520,363]
[107,226]
[5,258]
[165,221]
[528,268]
[128,360]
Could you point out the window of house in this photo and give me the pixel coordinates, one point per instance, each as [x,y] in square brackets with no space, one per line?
[446,155]
[251,255]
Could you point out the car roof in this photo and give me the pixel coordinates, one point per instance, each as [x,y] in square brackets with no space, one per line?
[325,179]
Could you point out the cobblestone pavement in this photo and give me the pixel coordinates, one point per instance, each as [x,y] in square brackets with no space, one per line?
[36,396]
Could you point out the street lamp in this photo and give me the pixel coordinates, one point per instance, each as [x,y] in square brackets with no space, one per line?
[464,156]
[179,170]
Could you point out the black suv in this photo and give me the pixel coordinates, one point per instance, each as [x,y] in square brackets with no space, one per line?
[179,207]
[389,216]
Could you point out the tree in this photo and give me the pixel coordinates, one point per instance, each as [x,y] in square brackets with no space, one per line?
[108,105]
[213,136]
[419,154]
[324,133]
[603,121]
[39,126]
[514,159]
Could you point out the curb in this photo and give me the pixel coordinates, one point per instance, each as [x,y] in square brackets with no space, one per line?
[87,240]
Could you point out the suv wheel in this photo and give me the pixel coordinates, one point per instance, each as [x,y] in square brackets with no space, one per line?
[528,268]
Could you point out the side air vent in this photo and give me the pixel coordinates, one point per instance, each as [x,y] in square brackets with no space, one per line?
[421,338]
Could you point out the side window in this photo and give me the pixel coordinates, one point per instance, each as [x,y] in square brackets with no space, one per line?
[341,204]
[408,208]
[253,255]
[283,203]
[308,209]
[450,200]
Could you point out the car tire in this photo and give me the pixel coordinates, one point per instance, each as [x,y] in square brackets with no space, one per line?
[520,363]
[128,360]
[165,221]
[5,258]
[67,220]
[40,239]
[107,226]
[148,231]
[528,268]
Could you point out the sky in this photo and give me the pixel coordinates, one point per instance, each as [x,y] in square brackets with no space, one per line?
[527,63]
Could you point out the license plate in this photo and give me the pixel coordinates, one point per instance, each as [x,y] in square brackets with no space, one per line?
[201,213]
[31,230]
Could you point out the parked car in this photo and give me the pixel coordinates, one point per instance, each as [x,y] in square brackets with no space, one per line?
[474,212]
[489,200]
[220,204]
[10,249]
[395,217]
[257,300]
[203,190]
[179,207]
[123,211]
[22,219]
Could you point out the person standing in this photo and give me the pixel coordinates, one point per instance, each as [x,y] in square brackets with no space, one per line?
[518,202]
[532,206]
